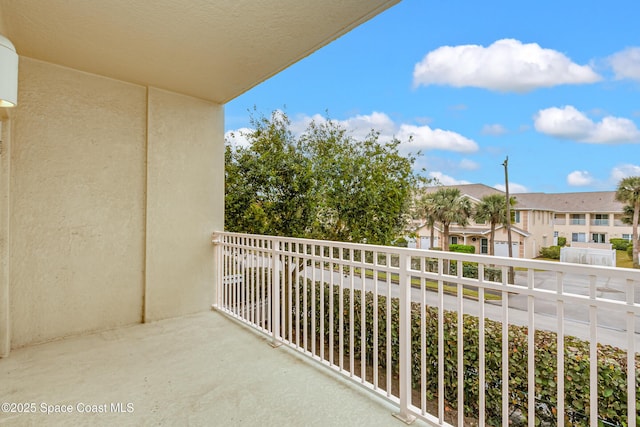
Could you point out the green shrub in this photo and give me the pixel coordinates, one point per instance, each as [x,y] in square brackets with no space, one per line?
[470,270]
[465,249]
[612,378]
[562,241]
[620,244]
[552,252]
[401,242]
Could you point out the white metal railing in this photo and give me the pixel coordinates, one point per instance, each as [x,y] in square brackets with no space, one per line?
[448,337]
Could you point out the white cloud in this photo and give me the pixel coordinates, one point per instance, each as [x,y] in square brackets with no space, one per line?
[580,179]
[495,129]
[626,63]
[446,179]
[569,123]
[237,138]
[423,137]
[507,65]
[513,188]
[623,171]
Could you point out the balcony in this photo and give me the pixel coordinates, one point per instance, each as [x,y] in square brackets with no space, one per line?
[293,340]
[197,370]
[434,331]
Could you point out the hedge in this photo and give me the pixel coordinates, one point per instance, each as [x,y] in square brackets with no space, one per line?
[552,252]
[466,249]
[619,244]
[612,388]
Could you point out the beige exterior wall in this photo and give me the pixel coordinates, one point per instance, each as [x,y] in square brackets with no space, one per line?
[614,230]
[185,203]
[539,225]
[110,196]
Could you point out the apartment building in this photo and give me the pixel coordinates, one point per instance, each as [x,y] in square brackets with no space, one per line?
[582,218]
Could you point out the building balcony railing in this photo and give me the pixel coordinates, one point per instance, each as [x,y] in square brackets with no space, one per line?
[447,337]
[603,222]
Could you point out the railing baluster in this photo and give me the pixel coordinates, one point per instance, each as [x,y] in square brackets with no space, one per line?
[363,316]
[322,303]
[275,292]
[313,303]
[376,325]
[331,313]
[296,283]
[631,352]
[351,316]
[341,308]
[440,341]
[404,338]
[505,347]
[460,345]
[481,350]
[560,351]
[593,354]
[389,325]
[305,302]
[531,361]
[423,339]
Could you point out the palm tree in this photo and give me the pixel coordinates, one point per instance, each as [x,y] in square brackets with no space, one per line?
[629,192]
[430,211]
[493,208]
[450,207]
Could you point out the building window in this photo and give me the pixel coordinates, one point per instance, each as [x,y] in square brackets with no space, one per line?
[516,217]
[597,237]
[578,237]
[578,219]
[627,237]
[484,246]
[600,219]
[454,240]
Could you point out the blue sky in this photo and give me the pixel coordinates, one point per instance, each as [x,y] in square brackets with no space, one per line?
[553,85]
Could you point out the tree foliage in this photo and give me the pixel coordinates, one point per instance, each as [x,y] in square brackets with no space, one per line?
[493,209]
[321,184]
[447,206]
[628,192]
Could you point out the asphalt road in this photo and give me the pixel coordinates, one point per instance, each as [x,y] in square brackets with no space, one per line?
[611,324]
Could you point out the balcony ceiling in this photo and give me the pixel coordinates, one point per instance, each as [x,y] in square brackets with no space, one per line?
[211,49]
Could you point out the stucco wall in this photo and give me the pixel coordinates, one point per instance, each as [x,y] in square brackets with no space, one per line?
[5,336]
[77,203]
[185,202]
[114,191]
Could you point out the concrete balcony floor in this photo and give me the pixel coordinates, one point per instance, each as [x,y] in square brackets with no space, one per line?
[198,370]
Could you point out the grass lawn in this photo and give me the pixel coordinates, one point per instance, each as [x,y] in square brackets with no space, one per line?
[447,289]
[623,260]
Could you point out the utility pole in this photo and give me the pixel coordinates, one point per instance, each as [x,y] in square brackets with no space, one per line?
[506,188]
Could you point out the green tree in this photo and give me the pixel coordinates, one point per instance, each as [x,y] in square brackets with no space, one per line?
[628,192]
[322,184]
[450,207]
[492,208]
[268,184]
[429,210]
